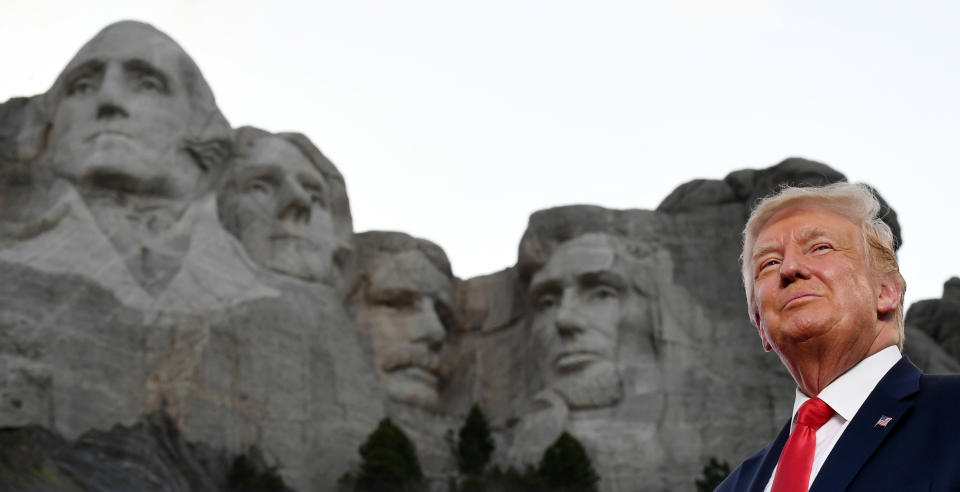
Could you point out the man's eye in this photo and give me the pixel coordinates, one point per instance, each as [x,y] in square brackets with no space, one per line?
[149,83]
[316,197]
[398,302]
[80,86]
[603,292]
[769,263]
[822,247]
[259,186]
[545,301]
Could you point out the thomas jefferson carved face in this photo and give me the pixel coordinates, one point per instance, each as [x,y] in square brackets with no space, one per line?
[123,114]
[406,311]
[278,204]
[581,299]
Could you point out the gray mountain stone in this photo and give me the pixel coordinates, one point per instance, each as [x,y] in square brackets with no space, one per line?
[939,319]
[125,294]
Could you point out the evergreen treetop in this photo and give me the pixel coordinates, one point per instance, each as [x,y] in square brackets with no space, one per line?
[565,467]
[389,463]
[475,445]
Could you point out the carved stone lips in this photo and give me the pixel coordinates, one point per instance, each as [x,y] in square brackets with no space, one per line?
[284,236]
[419,373]
[107,133]
[570,360]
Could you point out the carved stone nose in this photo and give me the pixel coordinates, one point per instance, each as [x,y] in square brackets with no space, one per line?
[109,110]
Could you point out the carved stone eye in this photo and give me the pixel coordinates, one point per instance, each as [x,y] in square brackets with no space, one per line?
[260,186]
[149,83]
[81,85]
[546,301]
[603,292]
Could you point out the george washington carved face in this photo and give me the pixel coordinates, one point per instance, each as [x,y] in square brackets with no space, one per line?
[123,112]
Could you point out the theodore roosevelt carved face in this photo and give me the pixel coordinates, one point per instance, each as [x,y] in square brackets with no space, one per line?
[404,305]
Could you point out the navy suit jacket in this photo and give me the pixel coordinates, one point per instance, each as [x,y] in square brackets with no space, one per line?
[918,450]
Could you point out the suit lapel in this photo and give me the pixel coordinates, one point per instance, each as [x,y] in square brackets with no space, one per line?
[770,459]
[892,397]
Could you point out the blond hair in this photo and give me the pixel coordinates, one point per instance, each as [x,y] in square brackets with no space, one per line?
[855,202]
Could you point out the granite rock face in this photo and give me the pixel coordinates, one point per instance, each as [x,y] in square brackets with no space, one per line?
[176,291]
[150,455]
[939,319]
[140,275]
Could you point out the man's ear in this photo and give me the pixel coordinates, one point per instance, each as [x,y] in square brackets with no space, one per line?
[891,291]
[763,337]
[212,157]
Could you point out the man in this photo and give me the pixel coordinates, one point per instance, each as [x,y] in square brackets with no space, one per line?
[135,130]
[287,204]
[403,303]
[581,299]
[131,114]
[824,290]
[134,146]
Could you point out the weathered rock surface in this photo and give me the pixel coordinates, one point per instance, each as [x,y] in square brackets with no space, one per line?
[939,318]
[124,293]
[175,291]
[150,455]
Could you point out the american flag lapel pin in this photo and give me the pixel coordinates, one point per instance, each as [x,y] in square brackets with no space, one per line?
[884,420]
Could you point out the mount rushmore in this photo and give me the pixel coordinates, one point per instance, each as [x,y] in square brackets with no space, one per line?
[157,261]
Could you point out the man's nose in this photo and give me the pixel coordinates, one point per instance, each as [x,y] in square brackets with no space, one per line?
[294,201]
[111,95]
[794,267]
[429,329]
[569,320]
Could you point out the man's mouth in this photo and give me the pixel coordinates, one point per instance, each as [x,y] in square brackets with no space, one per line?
[572,360]
[418,373]
[798,298]
[112,134]
[285,237]
[415,363]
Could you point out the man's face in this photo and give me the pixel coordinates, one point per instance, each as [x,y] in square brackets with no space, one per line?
[579,300]
[814,286]
[406,310]
[122,118]
[278,204]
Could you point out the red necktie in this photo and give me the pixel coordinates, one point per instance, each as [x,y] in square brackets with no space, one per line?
[796,460]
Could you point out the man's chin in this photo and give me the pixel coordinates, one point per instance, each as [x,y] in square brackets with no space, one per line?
[412,388]
[802,329]
[129,168]
[296,258]
[595,385]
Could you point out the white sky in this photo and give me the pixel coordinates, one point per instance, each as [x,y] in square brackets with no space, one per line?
[454,120]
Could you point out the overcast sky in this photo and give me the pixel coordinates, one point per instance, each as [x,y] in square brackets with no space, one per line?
[454,120]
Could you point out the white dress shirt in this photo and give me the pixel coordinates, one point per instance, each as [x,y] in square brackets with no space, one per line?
[845,395]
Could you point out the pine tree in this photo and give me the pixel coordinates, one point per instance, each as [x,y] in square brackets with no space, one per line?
[389,463]
[248,473]
[565,467]
[475,445]
[713,473]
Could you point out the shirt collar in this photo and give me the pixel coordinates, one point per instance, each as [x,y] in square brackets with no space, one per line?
[846,394]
